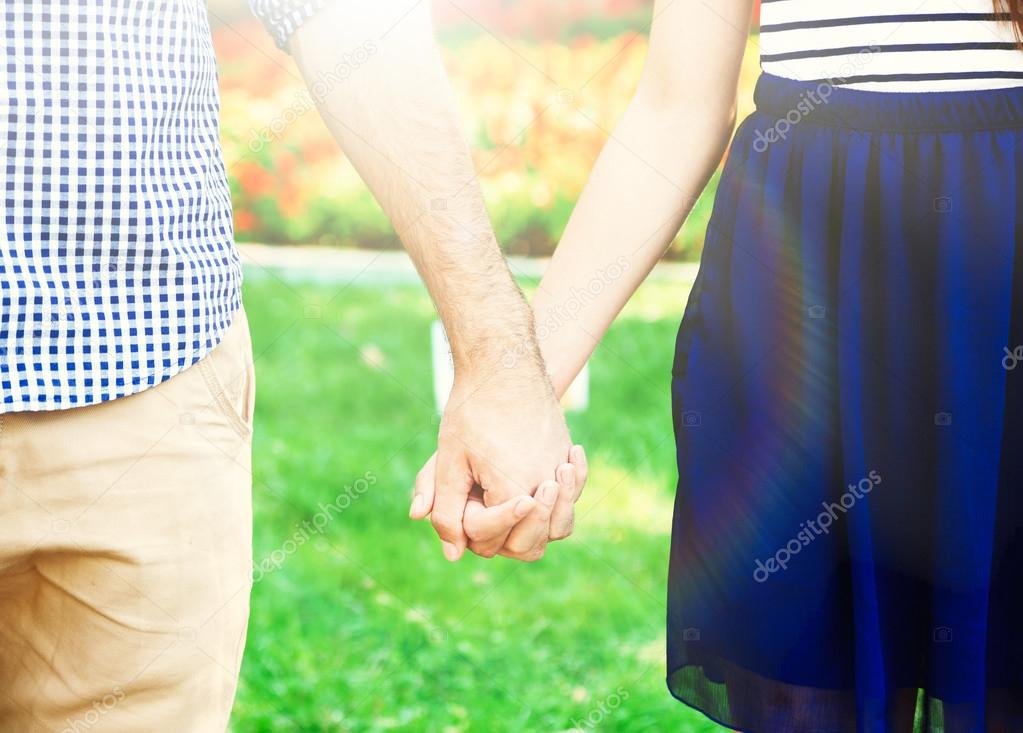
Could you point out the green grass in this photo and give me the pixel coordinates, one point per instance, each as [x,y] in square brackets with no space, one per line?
[364,627]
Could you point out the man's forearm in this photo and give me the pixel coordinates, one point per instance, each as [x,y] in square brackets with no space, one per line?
[395,117]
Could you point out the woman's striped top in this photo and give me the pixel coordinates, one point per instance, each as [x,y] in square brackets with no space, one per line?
[891,45]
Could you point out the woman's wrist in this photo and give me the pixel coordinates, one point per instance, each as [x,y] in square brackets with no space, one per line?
[564,355]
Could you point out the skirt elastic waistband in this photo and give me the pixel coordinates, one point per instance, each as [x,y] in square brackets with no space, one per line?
[825,104]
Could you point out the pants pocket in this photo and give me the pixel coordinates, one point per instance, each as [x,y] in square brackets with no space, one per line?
[229,374]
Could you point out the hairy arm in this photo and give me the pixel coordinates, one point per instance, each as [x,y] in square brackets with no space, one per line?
[395,118]
[650,173]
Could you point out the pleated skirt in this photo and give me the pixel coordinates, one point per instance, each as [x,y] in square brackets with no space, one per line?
[847,548]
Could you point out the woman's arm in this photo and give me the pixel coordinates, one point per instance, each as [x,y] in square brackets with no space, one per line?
[647,178]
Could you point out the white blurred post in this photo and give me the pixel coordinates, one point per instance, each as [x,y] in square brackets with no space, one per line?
[576,399]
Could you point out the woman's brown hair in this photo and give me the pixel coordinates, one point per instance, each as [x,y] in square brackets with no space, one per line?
[1015,9]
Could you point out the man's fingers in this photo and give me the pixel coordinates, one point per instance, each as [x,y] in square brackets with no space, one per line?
[423,493]
[563,514]
[452,486]
[488,527]
[529,538]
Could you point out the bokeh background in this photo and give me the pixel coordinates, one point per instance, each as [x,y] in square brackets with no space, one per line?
[357,622]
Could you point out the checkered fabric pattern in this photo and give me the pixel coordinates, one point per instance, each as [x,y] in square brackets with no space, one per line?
[282,17]
[117,261]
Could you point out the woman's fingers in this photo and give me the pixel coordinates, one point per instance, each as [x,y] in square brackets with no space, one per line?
[489,527]
[563,514]
[571,479]
[577,457]
[528,540]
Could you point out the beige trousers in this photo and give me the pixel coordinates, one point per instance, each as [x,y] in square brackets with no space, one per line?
[125,555]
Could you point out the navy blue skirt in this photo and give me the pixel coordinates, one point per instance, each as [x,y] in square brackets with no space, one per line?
[847,550]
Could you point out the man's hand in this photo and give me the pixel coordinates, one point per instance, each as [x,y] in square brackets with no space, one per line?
[505,433]
[518,528]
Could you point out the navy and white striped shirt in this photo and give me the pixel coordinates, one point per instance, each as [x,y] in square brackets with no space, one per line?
[117,261]
[891,45]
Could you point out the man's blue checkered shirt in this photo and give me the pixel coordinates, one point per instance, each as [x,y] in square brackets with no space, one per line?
[117,261]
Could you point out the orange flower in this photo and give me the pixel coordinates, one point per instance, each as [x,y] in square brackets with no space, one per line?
[254,179]
[245,221]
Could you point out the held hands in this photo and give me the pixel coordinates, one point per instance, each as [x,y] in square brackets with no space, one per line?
[505,477]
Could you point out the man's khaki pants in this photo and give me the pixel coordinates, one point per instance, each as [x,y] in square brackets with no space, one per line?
[125,555]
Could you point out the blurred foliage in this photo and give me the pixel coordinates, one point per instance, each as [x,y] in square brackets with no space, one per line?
[537,109]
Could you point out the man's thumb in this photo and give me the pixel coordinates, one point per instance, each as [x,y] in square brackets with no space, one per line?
[451,493]
[423,493]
